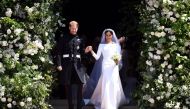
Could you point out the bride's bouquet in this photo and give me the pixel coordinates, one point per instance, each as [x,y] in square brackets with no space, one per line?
[116,57]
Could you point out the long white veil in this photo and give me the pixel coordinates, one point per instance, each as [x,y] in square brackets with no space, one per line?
[90,86]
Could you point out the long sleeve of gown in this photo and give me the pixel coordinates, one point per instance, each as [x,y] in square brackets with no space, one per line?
[119,50]
[97,56]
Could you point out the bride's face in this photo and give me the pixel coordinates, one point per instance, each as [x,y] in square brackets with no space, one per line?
[108,36]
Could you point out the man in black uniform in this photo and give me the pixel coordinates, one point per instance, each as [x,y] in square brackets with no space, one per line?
[70,53]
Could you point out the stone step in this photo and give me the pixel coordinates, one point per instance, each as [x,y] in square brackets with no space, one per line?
[63,104]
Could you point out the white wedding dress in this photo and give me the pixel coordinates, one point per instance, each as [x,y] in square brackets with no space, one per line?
[108,93]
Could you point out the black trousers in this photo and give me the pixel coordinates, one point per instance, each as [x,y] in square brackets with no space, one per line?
[69,90]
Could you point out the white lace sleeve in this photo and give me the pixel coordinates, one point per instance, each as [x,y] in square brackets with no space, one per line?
[97,56]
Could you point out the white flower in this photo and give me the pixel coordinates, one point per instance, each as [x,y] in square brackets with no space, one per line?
[159,52]
[1,65]
[152,69]
[2,94]
[146,97]
[22,104]
[42,59]
[173,38]
[177,106]
[14,102]
[150,49]
[31,26]
[158,34]
[151,100]
[157,57]
[29,99]
[173,19]
[34,67]
[180,66]
[36,4]
[4,43]
[9,12]
[1,55]
[21,46]
[170,13]
[116,57]
[149,63]
[3,99]
[167,1]
[38,43]
[150,54]
[177,15]
[169,85]
[9,105]
[46,33]
[147,86]
[152,33]
[9,99]
[145,41]
[166,57]
[29,10]
[18,31]
[184,87]
[167,94]
[8,31]
[169,66]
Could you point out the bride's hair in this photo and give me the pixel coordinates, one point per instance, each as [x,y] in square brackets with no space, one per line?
[114,37]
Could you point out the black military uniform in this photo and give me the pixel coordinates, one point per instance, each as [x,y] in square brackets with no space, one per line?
[70,54]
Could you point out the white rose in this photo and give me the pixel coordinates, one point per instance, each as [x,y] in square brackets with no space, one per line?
[18,31]
[9,99]
[152,69]
[177,15]
[4,43]
[9,105]
[30,10]
[3,99]
[14,102]
[152,33]
[46,33]
[9,12]
[149,63]
[151,100]
[42,59]
[1,55]
[1,65]
[22,104]
[169,66]
[29,99]
[8,31]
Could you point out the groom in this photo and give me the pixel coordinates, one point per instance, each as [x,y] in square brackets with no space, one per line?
[70,53]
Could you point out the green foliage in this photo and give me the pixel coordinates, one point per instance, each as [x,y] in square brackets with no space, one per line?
[165,59]
[26,38]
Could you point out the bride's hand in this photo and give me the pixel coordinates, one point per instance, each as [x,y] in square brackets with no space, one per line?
[88,48]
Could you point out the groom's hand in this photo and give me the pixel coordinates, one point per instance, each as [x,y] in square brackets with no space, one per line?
[88,48]
[59,68]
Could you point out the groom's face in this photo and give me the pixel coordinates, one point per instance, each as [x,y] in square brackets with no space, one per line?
[73,29]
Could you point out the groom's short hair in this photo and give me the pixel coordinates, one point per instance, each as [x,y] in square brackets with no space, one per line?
[73,22]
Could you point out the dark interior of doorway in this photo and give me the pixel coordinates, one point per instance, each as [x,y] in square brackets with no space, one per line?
[96,15]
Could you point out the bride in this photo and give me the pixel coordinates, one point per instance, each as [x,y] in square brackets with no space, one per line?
[104,86]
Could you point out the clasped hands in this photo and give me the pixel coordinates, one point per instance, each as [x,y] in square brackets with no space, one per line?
[88,49]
